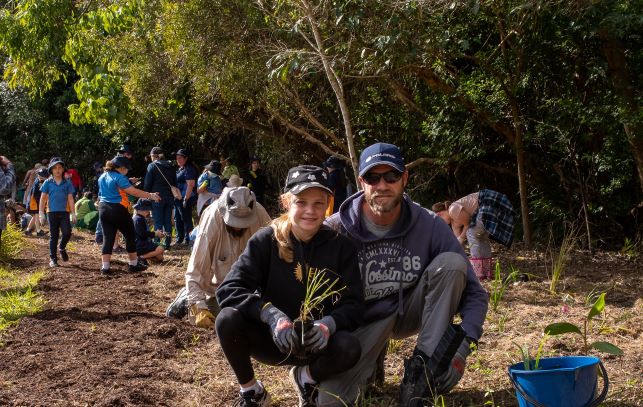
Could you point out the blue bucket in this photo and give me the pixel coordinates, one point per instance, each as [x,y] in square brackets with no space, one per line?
[569,381]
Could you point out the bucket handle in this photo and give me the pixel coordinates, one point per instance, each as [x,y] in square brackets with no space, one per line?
[593,403]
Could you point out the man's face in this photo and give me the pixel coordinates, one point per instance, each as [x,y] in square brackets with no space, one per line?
[383,195]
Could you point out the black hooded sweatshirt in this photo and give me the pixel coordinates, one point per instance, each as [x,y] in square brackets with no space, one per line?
[260,276]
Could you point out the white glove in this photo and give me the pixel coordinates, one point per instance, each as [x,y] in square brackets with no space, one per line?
[41,218]
[72,218]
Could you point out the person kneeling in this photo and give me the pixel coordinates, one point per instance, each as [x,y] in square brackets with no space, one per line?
[270,286]
[145,247]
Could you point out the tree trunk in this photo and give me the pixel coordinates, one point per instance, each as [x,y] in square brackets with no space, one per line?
[625,90]
[336,85]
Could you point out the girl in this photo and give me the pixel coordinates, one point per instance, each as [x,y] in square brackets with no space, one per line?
[477,217]
[114,187]
[209,186]
[264,291]
[186,181]
[57,196]
[145,247]
[34,200]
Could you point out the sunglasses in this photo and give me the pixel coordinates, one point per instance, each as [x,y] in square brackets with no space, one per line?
[390,177]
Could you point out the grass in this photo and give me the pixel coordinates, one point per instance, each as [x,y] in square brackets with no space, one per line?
[559,260]
[17,298]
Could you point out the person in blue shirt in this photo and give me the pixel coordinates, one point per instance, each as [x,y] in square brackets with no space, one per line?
[209,185]
[145,247]
[34,200]
[114,188]
[7,183]
[186,177]
[57,197]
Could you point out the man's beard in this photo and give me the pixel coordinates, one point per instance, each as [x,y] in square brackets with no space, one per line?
[377,207]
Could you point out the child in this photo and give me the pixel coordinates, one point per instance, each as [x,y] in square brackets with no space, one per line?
[208,186]
[41,175]
[145,247]
[57,197]
[263,293]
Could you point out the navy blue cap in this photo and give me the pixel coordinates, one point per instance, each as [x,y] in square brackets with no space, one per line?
[378,154]
[183,152]
[121,161]
[143,204]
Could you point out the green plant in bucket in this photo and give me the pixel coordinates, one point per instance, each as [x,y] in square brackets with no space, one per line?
[559,328]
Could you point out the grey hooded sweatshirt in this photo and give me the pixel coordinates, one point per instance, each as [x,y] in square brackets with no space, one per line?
[394,263]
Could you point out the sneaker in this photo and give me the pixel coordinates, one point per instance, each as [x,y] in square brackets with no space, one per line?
[99,239]
[137,267]
[63,255]
[417,385]
[179,307]
[250,399]
[28,232]
[307,392]
[105,271]
[144,261]
[41,233]
[53,263]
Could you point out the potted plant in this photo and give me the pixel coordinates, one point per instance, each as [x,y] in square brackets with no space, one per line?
[319,288]
[568,381]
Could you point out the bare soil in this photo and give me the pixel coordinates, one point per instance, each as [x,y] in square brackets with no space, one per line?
[106,342]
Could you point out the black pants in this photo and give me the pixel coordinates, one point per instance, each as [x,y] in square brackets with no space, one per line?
[241,339]
[58,222]
[114,217]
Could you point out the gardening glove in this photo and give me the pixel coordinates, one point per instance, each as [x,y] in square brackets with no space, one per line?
[317,337]
[72,218]
[41,218]
[280,326]
[447,380]
[203,318]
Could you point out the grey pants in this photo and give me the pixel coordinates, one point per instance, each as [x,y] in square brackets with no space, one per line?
[428,308]
[479,243]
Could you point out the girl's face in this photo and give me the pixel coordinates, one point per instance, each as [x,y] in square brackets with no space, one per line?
[58,170]
[307,211]
[180,160]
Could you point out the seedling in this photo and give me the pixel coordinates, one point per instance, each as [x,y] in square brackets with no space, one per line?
[560,260]
[498,285]
[560,328]
[319,287]
[527,361]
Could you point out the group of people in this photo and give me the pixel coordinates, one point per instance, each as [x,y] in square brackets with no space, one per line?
[320,293]
[393,270]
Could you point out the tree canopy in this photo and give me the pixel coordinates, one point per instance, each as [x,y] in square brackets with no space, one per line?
[536,99]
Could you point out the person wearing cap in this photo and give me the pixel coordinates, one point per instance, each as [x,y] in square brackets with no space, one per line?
[113,212]
[34,200]
[264,291]
[257,180]
[186,176]
[57,198]
[416,278]
[145,247]
[125,150]
[337,182]
[222,234]
[159,178]
[7,184]
[209,185]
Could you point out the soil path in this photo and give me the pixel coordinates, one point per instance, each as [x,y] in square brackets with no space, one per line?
[106,342]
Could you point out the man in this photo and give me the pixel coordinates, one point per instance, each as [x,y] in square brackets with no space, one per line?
[222,235]
[7,185]
[126,151]
[416,278]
